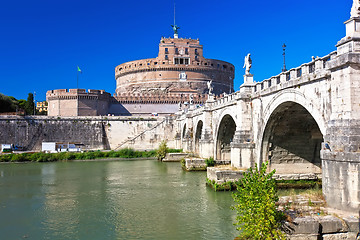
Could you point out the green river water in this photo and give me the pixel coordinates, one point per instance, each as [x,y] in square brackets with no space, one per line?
[111,200]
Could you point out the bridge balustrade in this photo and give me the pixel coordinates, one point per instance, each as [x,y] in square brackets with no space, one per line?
[316,66]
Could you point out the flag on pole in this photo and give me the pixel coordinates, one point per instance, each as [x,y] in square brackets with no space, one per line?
[79,70]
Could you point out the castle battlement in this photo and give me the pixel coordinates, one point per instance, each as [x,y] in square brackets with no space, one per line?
[76,93]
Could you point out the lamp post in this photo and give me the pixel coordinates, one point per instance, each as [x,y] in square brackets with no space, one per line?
[284,67]
[34,104]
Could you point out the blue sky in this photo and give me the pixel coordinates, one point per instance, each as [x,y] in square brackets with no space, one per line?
[42,41]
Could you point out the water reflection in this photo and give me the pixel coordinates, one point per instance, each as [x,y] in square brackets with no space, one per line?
[111,200]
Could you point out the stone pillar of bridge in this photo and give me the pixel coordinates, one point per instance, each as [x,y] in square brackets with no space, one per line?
[341,149]
[242,149]
[207,140]
[242,146]
[188,140]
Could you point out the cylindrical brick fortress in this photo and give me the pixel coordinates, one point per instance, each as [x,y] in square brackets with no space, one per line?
[179,68]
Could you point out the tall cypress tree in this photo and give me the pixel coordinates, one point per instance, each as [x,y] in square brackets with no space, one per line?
[29,106]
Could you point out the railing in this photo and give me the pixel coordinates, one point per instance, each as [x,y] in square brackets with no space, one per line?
[317,65]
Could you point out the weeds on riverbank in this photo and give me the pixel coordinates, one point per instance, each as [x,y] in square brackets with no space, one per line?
[226,186]
[53,157]
[162,150]
[255,203]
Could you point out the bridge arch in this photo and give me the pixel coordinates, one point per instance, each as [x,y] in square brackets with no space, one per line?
[299,98]
[291,138]
[224,136]
[198,132]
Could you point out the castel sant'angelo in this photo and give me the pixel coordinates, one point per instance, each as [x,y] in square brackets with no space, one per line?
[178,76]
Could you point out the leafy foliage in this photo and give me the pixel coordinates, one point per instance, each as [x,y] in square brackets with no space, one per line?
[7,104]
[256,197]
[162,150]
[50,157]
[29,105]
[172,150]
[226,186]
[210,162]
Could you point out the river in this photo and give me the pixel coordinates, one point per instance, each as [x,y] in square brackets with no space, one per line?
[136,199]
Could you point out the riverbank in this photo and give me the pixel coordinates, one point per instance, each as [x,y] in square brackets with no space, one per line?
[125,153]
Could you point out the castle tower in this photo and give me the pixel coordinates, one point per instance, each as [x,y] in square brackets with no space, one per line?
[179,70]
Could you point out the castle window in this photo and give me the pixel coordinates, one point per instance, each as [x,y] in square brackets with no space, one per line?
[140,64]
[166,57]
[148,64]
[205,64]
[155,63]
[166,51]
[186,51]
[163,62]
[224,66]
[196,58]
[196,51]
[176,51]
[181,61]
[218,65]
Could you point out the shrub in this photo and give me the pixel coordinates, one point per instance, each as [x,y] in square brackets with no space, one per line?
[162,150]
[19,157]
[256,197]
[210,162]
[171,150]
[183,163]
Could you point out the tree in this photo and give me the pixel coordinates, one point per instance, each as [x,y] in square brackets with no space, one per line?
[29,106]
[256,197]
[7,104]
[161,151]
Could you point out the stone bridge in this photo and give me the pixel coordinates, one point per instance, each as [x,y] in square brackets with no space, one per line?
[305,121]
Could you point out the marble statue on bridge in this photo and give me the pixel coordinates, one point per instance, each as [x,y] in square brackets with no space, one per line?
[247,64]
[355,10]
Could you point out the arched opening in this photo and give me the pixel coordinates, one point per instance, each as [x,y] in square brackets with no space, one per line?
[225,136]
[198,132]
[184,132]
[292,141]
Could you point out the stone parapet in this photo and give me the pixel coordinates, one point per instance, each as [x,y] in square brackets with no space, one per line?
[76,94]
[322,227]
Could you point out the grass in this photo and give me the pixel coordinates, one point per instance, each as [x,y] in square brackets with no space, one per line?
[52,157]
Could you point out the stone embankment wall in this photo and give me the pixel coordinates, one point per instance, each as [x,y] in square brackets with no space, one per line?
[323,227]
[94,132]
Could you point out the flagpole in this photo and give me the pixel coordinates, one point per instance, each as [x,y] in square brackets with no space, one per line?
[77,78]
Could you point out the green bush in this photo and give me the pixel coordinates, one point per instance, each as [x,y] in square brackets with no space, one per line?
[49,157]
[5,158]
[183,163]
[256,197]
[171,150]
[19,157]
[210,162]
[162,150]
